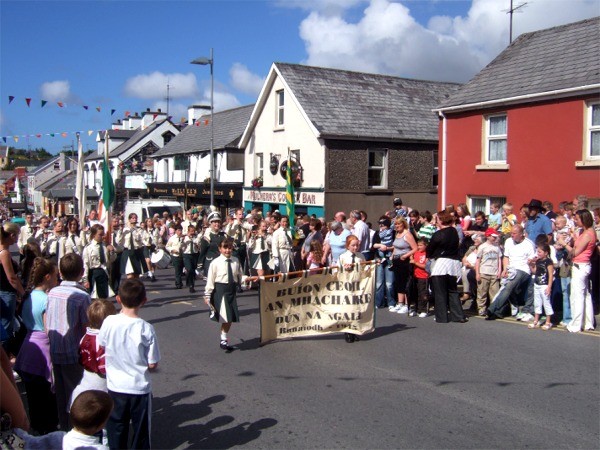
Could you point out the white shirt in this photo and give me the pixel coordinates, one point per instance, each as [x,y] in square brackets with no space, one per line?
[74,440]
[217,273]
[130,345]
[519,254]
[361,231]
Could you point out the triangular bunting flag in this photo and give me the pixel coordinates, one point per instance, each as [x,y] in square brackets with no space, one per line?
[154,116]
[182,120]
[112,111]
[44,103]
[61,104]
[51,134]
[98,108]
[16,138]
[170,118]
[85,107]
[28,101]
[10,99]
[38,135]
[206,122]
[63,134]
[90,132]
[197,124]
[4,139]
[127,113]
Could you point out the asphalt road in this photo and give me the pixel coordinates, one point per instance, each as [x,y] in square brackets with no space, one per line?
[410,384]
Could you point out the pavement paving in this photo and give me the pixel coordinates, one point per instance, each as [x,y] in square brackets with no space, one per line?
[412,383]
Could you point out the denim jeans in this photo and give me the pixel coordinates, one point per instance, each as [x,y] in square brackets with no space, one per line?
[565,285]
[384,287]
[519,283]
[8,304]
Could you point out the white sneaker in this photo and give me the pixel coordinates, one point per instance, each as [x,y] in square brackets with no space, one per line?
[412,314]
[514,311]
[392,308]
[519,316]
[526,317]
[403,309]
[423,315]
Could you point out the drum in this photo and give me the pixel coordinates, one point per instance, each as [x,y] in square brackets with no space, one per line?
[160,259]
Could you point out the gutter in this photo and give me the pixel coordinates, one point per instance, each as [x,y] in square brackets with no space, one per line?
[592,89]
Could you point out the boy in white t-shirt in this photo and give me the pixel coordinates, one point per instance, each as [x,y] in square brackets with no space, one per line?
[89,413]
[131,352]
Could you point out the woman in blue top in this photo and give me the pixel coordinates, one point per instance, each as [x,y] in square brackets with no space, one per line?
[33,362]
[335,244]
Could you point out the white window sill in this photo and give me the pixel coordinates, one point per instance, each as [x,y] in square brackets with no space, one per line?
[588,163]
[278,128]
[492,167]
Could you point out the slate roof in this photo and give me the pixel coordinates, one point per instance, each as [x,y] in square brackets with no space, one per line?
[346,104]
[137,136]
[562,57]
[62,178]
[117,134]
[228,128]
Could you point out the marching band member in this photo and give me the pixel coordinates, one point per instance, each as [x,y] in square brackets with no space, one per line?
[191,249]
[96,259]
[209,249]
[132,258]
[73,242]
[174,247]
[282,247]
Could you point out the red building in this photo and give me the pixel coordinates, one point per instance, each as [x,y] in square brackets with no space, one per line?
[528,125]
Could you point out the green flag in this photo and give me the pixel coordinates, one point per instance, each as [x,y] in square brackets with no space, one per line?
[289,194]
[108,186]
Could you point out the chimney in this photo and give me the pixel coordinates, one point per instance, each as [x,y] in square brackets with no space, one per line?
[195,112]
[149,117]
[118,125]
[135,121]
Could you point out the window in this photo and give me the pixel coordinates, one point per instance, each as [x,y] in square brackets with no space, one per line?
[593,150]
[483,204]
[377,178]
[496,128]
[280,105]
[258,168]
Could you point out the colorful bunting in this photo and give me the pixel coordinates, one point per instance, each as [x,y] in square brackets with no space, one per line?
[112,111]
[90,132]
[127,113]
[98,108]
[10,99]
[63,134]
[61,104]
[51,134]
[44,103]
[16,138]
[28,101]
[4,139]
[85,107]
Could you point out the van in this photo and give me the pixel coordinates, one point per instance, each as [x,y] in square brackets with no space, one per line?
[146,207]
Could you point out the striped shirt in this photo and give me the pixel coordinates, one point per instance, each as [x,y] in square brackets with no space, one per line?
[66,321]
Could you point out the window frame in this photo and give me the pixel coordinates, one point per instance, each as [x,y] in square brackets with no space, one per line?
[591,129]
[489,199]
[280,108]
[259,164]
[489,138]
[383,168]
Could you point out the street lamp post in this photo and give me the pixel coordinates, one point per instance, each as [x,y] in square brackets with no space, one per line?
[203,61]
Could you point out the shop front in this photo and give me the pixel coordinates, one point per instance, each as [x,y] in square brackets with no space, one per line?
[226,195]
[307,201]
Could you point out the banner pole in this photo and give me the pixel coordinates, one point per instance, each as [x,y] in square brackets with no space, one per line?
[320,269]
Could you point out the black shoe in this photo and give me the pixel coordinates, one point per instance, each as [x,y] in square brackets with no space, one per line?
[463,320]
[228,348]
[153,278]
[192,290]
[489,315]
[178,287]
[349,338]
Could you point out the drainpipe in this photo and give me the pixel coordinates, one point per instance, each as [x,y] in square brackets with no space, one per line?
[444,156]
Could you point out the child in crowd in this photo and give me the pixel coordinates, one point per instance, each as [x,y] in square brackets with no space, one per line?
[419,260]
[223,277]
[89,413]
[351,256]
[131,352]
[495,216]
[66,322]
[313,260]
[175,248]
[97,258]
[91,355]
[33,361]
[347,260]
[488,268]
[386,241]
[427,227]
[508,220]
[563,235]
[543,268]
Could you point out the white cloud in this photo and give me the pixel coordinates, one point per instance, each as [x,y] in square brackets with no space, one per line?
[56,91]
[154,85]
[245,81]
[387,39]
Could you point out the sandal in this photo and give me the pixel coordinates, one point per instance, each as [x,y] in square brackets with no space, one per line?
[547,326]
[534,324]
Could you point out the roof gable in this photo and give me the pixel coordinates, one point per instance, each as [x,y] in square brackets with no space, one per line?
[228,127]
[554,59]
[350,105]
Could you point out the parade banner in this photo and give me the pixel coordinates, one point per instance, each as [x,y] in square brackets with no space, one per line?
[318,304]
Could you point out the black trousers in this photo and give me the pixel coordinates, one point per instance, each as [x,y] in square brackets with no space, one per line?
[134,409]
[115,273]
[445,295]
[43,412]
[189,262]
[99,279]
[178,266]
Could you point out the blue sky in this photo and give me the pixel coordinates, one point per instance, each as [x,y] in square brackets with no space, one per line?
[120,54]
